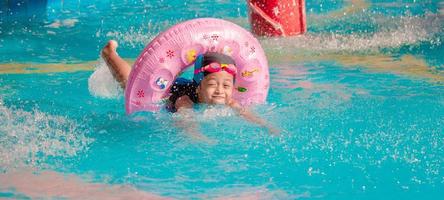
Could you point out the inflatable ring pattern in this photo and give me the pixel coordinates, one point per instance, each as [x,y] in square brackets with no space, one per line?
[172,51]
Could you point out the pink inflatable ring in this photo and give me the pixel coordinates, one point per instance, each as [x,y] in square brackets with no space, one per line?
[176,49]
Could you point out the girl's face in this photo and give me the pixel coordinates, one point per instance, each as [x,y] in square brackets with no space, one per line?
[216,88]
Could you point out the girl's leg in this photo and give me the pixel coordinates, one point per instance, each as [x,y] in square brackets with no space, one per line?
[118,67]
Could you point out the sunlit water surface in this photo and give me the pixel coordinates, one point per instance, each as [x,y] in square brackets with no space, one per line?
[358,100]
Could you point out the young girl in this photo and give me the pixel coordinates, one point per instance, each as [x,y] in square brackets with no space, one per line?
[213,83]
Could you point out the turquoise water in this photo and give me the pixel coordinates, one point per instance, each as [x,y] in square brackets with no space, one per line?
[359,101]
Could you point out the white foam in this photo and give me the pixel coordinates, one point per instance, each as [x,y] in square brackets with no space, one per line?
[102,83]
[27,139]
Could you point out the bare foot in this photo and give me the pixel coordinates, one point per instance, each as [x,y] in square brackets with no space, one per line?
[110,48]
[119,68]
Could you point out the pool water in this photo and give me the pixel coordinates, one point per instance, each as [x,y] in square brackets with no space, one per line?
[358,100]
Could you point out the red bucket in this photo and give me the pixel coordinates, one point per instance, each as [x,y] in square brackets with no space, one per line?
[277,17]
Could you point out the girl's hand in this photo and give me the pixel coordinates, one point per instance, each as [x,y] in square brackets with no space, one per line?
[184,102]
[253,118]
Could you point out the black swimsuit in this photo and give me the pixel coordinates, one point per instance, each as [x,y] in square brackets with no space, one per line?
[181,87]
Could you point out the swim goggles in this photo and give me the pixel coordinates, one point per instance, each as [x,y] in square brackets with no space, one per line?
[217,67]
[211,68]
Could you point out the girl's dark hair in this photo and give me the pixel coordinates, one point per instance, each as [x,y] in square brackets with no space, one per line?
[216,57]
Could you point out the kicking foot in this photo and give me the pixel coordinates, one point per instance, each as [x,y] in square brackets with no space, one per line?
[109,49]
[119,68]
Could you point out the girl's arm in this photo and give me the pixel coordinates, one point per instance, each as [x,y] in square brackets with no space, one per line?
[248,115]
[118,67]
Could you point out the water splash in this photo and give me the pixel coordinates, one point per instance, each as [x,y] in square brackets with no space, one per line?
[102,83]
[27,139]
[391,33]
[142,35]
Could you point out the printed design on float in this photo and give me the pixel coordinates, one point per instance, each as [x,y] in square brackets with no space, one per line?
[212,38]
[249,74]
[140,94]
[252,50]
[241,89]
[138,103]
[191,55]
[170,54]
[227,50]
[215,37]
[161,83]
